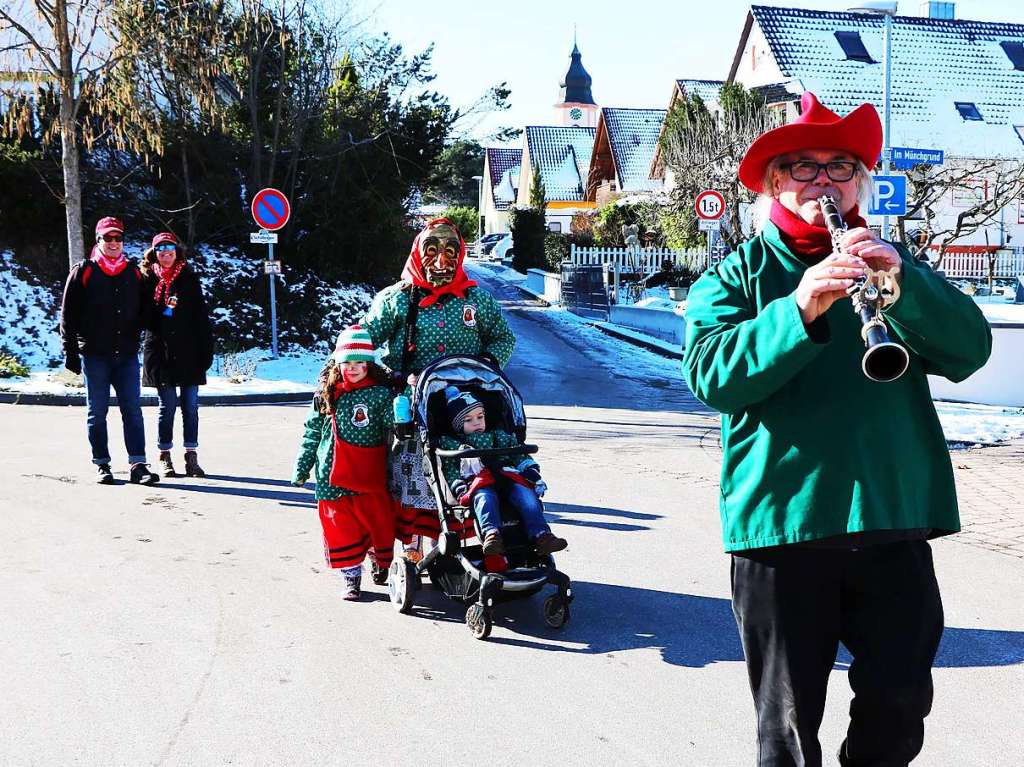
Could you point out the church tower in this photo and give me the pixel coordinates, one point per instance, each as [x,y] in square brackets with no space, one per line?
[576,107]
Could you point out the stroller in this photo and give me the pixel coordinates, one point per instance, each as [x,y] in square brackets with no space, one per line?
[455,565]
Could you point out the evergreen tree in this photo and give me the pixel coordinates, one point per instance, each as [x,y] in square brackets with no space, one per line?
[538,194]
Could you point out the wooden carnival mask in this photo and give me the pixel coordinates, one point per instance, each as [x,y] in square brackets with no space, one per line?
[439,254]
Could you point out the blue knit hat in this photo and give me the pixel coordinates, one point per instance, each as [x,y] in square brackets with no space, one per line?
[458,404]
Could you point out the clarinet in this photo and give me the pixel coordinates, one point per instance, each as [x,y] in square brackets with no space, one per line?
[884,360]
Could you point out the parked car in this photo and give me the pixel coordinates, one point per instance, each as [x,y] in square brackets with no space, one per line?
[502,249]
[488,241]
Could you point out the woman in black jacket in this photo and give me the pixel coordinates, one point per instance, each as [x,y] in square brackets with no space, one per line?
[178,347]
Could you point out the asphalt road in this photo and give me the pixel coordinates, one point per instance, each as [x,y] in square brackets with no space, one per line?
[194,623]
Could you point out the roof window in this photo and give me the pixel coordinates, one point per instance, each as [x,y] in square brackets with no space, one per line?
[967,110]
[1015,52]
[853,47]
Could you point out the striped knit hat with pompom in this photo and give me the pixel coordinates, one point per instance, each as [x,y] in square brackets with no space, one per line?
[354,345]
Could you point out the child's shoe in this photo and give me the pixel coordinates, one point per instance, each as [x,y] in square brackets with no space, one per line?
[378,573]
[493,544]
[413,555]
[350,587]
[549,543]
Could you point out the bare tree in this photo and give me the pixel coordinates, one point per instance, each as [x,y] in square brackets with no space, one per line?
[981,188]
[69,47]
[703,149]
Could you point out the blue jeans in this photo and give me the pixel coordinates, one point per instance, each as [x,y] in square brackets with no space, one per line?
[169,402]
[122,372]
[487,507]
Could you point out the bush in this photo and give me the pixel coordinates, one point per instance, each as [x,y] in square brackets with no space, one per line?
[11,366]
[558,246]
[466,219]
[528,232]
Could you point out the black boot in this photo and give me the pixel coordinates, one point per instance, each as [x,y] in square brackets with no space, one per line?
[104,476]
[166,465]
[192,467]
[141,475]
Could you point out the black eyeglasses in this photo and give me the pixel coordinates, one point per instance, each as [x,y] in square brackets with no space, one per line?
[837,170]
[111,237]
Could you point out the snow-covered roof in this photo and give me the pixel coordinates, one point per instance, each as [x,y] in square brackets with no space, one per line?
[562,154]
[633,138]
[503,168]
[706,89]
[935,63]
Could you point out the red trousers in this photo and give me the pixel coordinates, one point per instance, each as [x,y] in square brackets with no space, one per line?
[355,524]
[412,522]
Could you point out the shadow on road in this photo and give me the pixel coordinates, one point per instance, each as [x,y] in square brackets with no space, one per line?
[294,497]
[565,514]
[689,630]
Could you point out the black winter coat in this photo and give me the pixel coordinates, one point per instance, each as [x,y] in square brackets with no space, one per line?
[101,315]
[178,347]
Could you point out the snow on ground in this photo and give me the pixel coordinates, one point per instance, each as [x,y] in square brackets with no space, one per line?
[29,313]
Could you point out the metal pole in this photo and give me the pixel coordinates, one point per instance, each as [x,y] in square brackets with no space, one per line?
[886,136]
[273,305]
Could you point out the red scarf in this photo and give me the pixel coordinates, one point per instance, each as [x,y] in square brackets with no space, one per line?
[110,267]
[413,272]
[807,240]
[167,276]
[344,385]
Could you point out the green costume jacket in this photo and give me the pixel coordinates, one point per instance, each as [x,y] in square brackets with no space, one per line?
[482,440]
[811,447]
[363,418]
[470,325]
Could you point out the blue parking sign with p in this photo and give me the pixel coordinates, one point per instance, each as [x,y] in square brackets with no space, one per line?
[889,197]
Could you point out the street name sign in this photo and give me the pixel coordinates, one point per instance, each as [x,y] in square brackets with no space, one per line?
[710,205]
[263,237]
[271,267]
[270,209]
[906,157]
[889,197]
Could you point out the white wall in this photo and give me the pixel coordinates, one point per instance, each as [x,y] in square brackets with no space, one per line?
[757,66]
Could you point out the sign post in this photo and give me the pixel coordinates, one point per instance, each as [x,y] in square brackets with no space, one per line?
[270,209]
[710,206]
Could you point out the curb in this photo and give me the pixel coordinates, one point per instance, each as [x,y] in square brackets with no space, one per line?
[280,398]
[633,337]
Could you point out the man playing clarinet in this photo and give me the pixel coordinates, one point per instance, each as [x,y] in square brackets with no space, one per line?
[832,482]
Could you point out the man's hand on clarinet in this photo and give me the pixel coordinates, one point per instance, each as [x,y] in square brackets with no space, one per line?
[825,283]
[865,244]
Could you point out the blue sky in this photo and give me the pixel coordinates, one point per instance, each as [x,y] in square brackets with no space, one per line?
[633,50]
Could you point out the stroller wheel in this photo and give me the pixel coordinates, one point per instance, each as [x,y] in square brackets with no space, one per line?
[401,584]
[556,611]
[478,618]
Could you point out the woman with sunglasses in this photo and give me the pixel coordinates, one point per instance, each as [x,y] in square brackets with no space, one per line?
[178,348]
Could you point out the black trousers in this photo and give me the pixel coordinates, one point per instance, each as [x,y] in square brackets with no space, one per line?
[793,605]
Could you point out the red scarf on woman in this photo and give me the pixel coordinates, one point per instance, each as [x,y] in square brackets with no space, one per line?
[167,276]
[806,239]
[413,272]
[110,267]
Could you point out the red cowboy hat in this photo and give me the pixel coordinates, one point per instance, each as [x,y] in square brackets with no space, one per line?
[859,133]
[164,237]
[109,224]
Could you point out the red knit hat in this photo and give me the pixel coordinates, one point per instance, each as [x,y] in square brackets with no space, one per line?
[164,237]
[354,345]
[109,224]
[859,133]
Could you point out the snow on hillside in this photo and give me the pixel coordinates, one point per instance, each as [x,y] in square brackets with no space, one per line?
[29,313]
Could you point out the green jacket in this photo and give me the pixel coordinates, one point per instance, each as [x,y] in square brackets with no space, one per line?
[811,447]
[481,441]
[317,448]
[470,325]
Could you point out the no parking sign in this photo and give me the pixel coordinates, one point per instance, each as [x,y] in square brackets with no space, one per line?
[270,209]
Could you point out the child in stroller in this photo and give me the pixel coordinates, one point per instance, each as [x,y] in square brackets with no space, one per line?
[457,565]
[477,482]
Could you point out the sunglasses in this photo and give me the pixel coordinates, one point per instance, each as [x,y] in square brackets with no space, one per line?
[111,237]
[164,247]
[837,170]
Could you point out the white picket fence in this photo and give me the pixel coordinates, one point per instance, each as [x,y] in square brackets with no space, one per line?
[1007,264]
[642,260]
